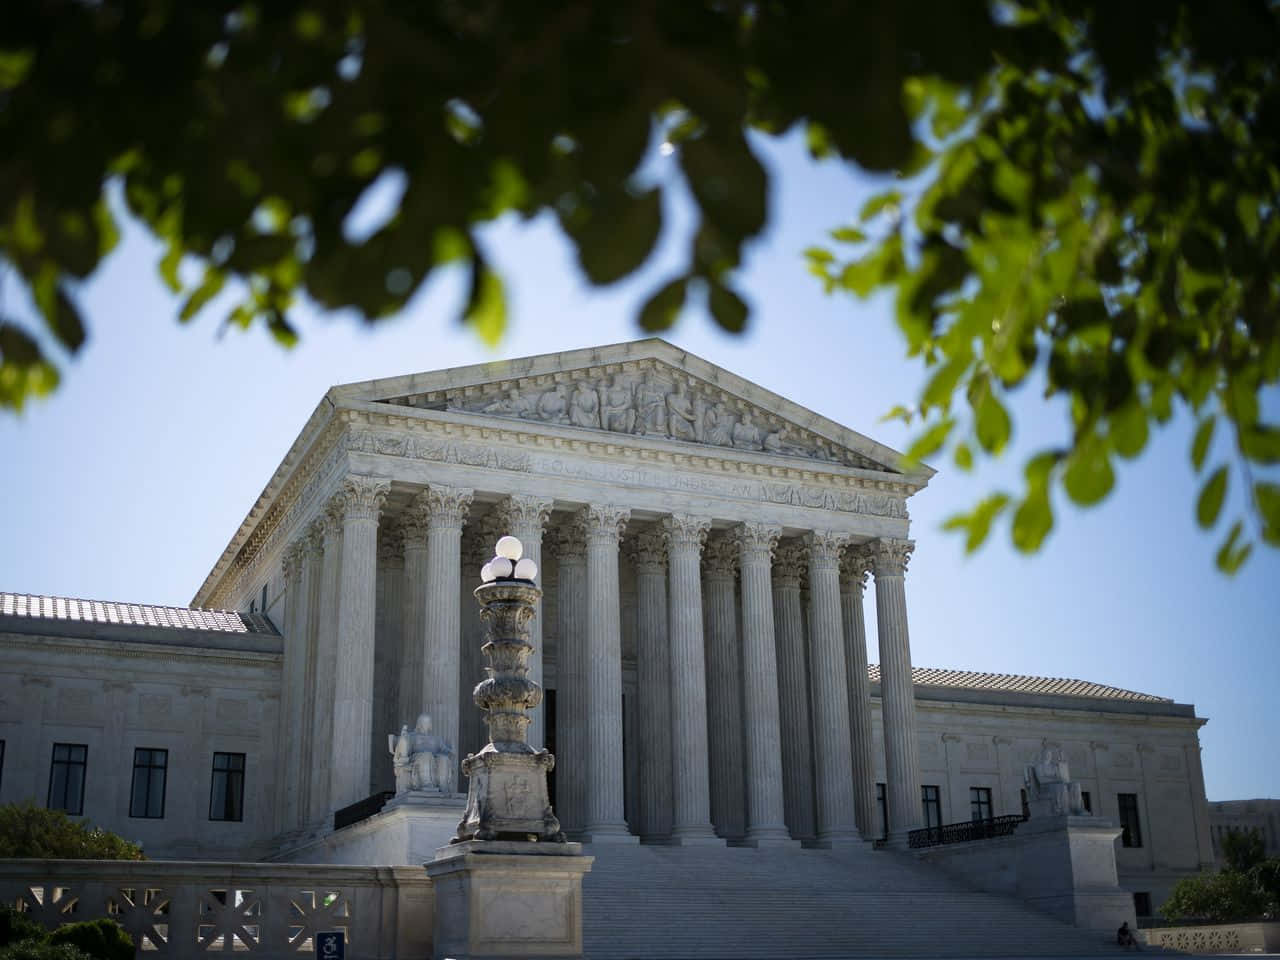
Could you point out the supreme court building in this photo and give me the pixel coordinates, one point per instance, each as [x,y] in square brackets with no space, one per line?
[704,546]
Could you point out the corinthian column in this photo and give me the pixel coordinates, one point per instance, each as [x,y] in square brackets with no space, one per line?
[326,662]
[829,680]
[362,499]
[761,724]
[445,508]
[291,700]
[793,689]
[854,568]
[412,699]
[724,688]
[690,776]
[388,644]
[571,678]
[602,525]
[312,582]
[653,685]
[525,518]
[897,694]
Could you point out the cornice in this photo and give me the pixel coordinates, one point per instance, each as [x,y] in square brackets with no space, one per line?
[160,652]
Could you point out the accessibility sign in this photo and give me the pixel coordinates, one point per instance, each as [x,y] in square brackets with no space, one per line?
[331,945]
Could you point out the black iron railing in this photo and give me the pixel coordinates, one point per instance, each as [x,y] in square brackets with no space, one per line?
[964,831]
[360,810]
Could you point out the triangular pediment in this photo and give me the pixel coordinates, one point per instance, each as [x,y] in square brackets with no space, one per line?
[647,388]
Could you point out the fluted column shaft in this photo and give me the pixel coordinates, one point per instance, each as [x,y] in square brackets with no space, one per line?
[828,681]
[387,650]
[445,508]
[724,689]
[525,518]
[326,663]
[292,695]
[412,698]
[602,526]
[653,686]
[353,688]
[312,587]
[897,694]
[853,570]
[691,779]
[793,690]
[761,724]
[571,679]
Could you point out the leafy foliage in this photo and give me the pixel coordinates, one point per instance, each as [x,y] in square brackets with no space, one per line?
[1100,214]
[1247,887]
[15,926]
[1088,194]
[103,939]
[30,831]
[21,938]
[42,950]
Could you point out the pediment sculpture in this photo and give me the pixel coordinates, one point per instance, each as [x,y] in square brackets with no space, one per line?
[1050,789]
[655,402]
[423,761]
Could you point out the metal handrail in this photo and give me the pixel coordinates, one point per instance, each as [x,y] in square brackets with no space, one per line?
[964,831]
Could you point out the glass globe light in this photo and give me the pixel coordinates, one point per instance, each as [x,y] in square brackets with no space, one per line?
[501,566]
[526,569]
[486,573]
[509,548]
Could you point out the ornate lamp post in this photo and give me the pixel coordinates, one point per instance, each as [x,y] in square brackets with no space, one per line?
[507,795]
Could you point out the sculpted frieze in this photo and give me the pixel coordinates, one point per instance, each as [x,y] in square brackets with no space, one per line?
[652,402]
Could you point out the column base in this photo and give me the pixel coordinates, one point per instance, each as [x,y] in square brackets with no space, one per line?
[608,833]
[695,837]
[768,837]
[898,840]
[841,840]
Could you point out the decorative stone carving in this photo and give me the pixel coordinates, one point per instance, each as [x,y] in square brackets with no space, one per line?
[391,544]
[291,560]
[755,540]
[791,563]
[1050,790]
[648,551]
[423,761]
[824,548]
[685,532]
[522,515]
[446,506]
[720,556]
[584,407]
[855,564]
[890,557]
[362,497]
[616,411]
[603,522]
[651,409]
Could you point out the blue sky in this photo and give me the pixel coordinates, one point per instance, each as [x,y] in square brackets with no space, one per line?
[129,481]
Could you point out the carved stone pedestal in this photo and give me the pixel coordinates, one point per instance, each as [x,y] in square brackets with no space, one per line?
[506,899]
[508,796]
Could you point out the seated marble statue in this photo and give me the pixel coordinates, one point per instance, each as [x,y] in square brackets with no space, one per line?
[1050,790]
[423,761]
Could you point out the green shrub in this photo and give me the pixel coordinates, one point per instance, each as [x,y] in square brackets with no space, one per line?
[42,950]
[15,926]
[102,939]
[30,831]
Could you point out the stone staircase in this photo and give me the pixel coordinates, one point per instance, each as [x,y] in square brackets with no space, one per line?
[723,903]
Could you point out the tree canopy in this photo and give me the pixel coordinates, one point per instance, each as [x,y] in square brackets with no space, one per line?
[1246,888]
[1086,193]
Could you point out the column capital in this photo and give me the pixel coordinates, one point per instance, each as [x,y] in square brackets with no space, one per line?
[756,541]
[721,557]
[603,522]
[824,548]
[447,506]
[330,520]
[685,532]
[791,560]
[391,543]
[890,556]
[294,555]
[648,551]
[414,522]
[313,537]
[570,543]
[362,497]
[855,563]
[524,514]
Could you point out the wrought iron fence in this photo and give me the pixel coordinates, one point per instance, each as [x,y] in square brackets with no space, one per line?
[964,831]
[361,810]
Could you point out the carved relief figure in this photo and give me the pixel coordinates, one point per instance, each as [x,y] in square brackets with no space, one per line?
[584,409]
[515,405]
[423,761]
[746,435]
[615,406]
[719,425]
[775,443]
[651,407]
[553,404]
[681,416]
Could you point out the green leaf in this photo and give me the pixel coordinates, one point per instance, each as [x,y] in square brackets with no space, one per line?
[486,310]
[1267,497]
[848,235]
[209,288]
[963,457]
[1088,476]
[977,522]
[991,420]
[1232,554]
[169,264]
[729,309]
[1209,503]
[930,441]
[1200,444]
[889,200]
[1261,443]
[938,391]
[899,412]
[1129,430]
[1033,520]
[662,308]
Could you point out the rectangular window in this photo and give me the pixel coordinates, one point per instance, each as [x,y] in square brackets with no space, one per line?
[1087,801]
[1,763]
[883,804]
[264,596]
[1026,807]
[1142,903]
[931,800]
[979,803]
[226,792]
[1129,823]
[66,777]
[150,768]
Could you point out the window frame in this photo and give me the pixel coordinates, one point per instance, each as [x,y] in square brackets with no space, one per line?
[1086,800]
[935,800]
[229,773]
[82,764]
[1129,815]
[149,771]
[882,802]
[980,797]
